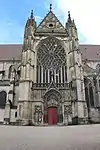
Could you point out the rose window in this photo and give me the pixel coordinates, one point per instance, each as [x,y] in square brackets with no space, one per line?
[51,54]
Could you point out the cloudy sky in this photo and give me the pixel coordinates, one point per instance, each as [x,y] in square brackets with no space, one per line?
[14,13]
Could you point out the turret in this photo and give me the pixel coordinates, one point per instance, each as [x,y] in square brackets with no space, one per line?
[75,71]
[71,27]
[27,75]
[30,26]
[28,48]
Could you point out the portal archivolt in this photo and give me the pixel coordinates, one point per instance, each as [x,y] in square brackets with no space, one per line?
[53,107]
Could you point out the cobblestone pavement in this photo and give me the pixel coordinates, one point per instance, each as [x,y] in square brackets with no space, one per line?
[50,138]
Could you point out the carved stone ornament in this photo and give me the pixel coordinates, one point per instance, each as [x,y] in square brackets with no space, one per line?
[38,114]
[51,22]
[67,109]
[98,67]
[52,101]
[51,54]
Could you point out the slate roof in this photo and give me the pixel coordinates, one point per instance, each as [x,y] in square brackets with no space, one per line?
[8,52]
[90,52]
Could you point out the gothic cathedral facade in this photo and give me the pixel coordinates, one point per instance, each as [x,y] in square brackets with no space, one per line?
[51,60]
[50,76]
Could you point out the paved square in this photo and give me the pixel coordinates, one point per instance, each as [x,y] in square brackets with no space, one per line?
[50,138]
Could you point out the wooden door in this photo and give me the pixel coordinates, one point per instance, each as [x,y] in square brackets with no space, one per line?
[52,116]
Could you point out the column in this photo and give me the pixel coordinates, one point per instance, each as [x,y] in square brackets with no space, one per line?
[64,74]
[58,77]
[27,71]
[36,73]
[45,76]
[98,91]
[24,72]
[55,76]
[88,103]
[41,74]
[61,76]
[48,76]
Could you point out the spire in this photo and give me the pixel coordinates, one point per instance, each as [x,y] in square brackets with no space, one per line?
[74,24]
[31,20]
[50,7]
[30,25]
[31,14]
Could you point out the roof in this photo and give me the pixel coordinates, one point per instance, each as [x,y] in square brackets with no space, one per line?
[90,52]
[8,52]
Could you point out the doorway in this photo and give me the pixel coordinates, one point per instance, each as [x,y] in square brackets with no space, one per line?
[52,116]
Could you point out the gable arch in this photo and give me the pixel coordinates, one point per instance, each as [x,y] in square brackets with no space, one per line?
[11,69]
[52,90]
[89,94]
[52,98]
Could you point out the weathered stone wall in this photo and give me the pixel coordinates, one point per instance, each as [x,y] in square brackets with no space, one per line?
[1,115]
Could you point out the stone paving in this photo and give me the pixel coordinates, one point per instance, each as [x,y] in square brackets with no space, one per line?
[85,137]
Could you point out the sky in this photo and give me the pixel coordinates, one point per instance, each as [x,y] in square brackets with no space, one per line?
[14,14]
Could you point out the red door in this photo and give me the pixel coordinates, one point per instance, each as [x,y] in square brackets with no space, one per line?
[52,116]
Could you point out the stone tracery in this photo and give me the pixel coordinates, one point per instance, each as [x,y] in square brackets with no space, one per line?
[51,61]
[51,54]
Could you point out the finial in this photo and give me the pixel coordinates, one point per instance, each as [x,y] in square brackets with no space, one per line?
[31,14]
[69,15]
[50,7]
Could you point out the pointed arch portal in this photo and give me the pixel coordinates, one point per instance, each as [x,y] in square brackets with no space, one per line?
[52,107]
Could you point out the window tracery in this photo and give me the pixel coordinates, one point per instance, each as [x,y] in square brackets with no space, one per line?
[51,54]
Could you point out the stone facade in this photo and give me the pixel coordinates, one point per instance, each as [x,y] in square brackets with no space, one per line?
[51,84]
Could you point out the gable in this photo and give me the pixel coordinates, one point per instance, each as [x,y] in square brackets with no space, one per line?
[51,24]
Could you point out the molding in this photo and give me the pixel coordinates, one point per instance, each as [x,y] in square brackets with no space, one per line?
[26,65]
[21,81]
[9,60]
[75,65]
[32,50]
[98,60]
[30,101]
[77,50]
[51,33]
[77,79]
